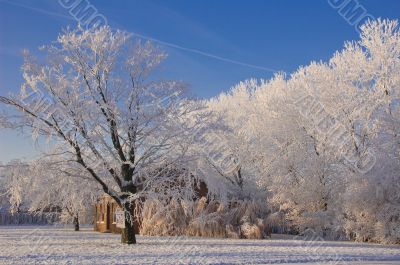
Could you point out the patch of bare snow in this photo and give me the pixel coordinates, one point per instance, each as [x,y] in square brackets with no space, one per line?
[51,245]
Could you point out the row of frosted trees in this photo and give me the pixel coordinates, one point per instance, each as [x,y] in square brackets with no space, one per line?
[324,142]
[314,151]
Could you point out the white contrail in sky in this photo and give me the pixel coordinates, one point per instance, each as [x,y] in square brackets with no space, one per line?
[172,45]
[205,53]
[38,10]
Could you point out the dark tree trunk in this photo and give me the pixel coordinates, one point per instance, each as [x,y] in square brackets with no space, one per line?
[128,233]
[76,223]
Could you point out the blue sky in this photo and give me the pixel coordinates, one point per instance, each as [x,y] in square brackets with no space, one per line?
[212,44]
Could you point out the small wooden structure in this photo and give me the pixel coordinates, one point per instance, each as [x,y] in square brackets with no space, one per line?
[106,216]
[107,212]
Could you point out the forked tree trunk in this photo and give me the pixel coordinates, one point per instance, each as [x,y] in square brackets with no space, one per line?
[128,233]
[76,223]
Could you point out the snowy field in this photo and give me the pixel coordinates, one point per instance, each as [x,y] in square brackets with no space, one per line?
[50,245]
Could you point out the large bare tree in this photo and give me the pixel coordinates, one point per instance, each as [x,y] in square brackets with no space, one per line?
[94,95]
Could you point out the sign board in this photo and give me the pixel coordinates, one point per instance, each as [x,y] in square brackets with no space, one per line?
[120,219]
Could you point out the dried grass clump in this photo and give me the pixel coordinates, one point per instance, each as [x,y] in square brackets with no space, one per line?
[161,220]
[211,225]
[239,219]
[251,231]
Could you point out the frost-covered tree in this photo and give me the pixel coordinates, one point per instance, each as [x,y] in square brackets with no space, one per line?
[50,186]
[324,141]
[93,94]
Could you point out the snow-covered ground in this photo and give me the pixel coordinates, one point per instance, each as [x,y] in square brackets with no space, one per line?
[51,245]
